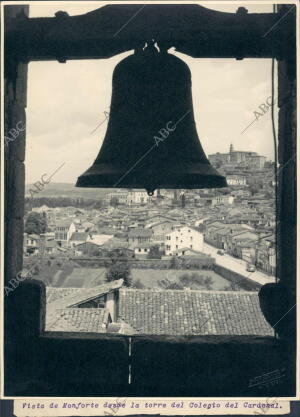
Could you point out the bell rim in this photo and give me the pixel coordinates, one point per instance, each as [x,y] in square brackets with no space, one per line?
[185,181]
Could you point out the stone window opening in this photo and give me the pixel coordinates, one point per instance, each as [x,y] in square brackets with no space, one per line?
[15,86]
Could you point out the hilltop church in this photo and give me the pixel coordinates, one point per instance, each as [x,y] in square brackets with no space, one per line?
[241,158]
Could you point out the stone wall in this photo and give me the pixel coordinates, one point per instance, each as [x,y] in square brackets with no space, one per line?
[278,301]
[243,282]
[195,264]
[15,100]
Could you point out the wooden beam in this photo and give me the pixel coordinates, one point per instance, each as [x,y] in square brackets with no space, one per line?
[191,29]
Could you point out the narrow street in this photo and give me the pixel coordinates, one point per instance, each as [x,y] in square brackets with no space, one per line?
[237,265]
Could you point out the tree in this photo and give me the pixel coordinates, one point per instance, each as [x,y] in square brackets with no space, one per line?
[195,279]
[154,253]
[95,252]
[174,286]
[174,263]
[36,270]
[231,287]
[35,224]
[119,270]
[138,284]
[208,282]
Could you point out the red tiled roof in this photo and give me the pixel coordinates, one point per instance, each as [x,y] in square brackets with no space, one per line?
[82,295]
[176,312]
[72,297]
[79,236]
[94,320]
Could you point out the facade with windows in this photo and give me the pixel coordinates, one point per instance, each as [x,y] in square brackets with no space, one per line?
[139,197]
[63,232]
[184,237]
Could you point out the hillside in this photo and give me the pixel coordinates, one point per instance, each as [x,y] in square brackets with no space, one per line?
[69,190]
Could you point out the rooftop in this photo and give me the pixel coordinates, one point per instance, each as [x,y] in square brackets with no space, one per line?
[65,298]
[99,239]
[63,223]
[140,233]
[176,312]
[80,236]
[94,320]
[115,243]
[77,296]
[51,244]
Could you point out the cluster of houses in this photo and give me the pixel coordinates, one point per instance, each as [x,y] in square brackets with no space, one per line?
[244,242]
[132,223]
[77,236]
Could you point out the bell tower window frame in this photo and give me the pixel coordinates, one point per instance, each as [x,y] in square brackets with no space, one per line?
[240,35]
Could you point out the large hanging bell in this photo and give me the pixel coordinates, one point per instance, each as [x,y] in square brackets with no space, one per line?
[151,140]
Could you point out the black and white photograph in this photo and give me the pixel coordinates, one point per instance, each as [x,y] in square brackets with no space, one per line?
[149,214]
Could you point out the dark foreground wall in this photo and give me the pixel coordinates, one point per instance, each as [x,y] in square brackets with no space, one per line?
[67,364]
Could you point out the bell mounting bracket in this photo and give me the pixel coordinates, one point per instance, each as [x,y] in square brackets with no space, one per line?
[192,29]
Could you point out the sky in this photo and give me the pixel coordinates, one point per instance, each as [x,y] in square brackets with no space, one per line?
[67,101]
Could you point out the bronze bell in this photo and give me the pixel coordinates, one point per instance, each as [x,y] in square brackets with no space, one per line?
[151,140]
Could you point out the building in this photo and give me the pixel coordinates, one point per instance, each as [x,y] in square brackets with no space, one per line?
[236,180]
[219,158]
[256,161]
[160,229]
[142,249]
[183,237]
[138,236]
[47,244]
[31,243]
[50,247]
[99,239]
[119,197]
[82,309]
[77,238]
[219,234]
[215,199]
[225,199]
[63,231]
[265,255]
[139,197]
[237,237]
[87,249]
[239,158]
